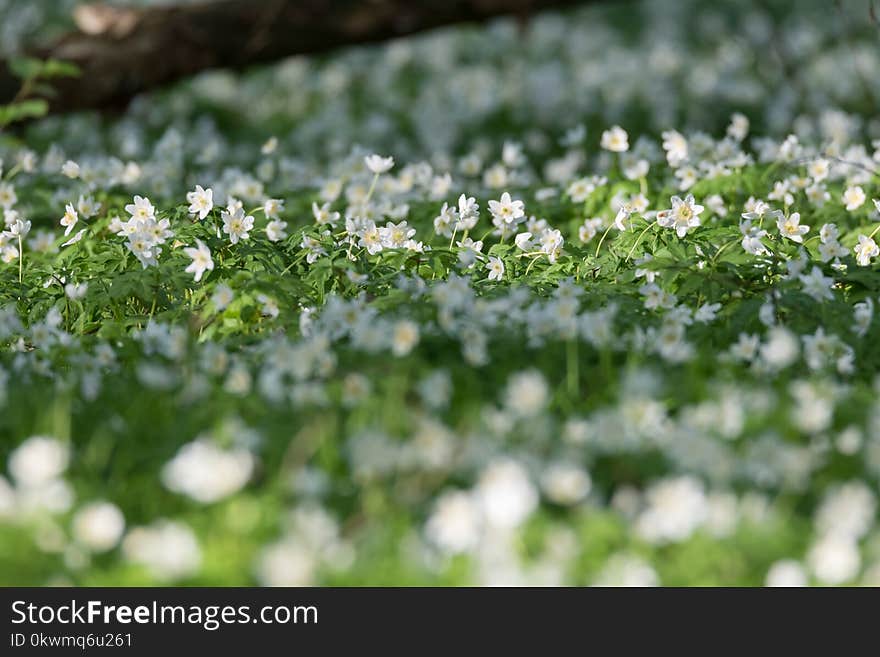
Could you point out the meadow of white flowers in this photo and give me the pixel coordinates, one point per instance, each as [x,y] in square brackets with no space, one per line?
[591,303]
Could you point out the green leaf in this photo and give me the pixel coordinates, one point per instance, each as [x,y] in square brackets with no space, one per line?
[56,68]
[31,68]
[26,109]
[249,314]
[26,68]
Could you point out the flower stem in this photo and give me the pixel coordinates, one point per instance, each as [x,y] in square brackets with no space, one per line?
[452,241]
[535,258]
[372,188]
[638,239]
[602,239]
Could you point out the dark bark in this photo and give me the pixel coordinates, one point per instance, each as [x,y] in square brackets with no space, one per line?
[123,52]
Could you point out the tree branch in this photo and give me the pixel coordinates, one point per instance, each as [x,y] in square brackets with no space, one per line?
[123,52]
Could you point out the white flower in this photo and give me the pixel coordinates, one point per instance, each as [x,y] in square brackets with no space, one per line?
[791,227]
[786,573]
[404,337]
[818,169]
[507,211]
[19,228]
[275,230]
[615,139]
[440,186]
[854,197]
[38,461]
[495,177]
[456,522]
[395,236]
[676,147]
[654,296]
[759,210]
[580,189]
[781,348]
[496,268]
[201,260]
[865,250]
[565,483]
[469,251]
[287,562]
[167,548]
[446,221]
[626,570]
[371,238]
[8,197]
[201,201]
[87,206]
[834,559]
[676,507]
[746,347]
[589,229]
[269,146]
[551,242]
[847,510]
[76,291]
[69,219]
[526,394]
[378,164]
[70,169]
[683,215]
[76,238]
[512,155]
[751,241]
[236,224]
[707,312]
[821,350]
[313,246]
[687,177]
[324,215]
[468,212]
[633,166]
[273,207]
[716,205]
[817,285]
[222,297]
[623,214]
[331,190]
[828,233]
[505,494]
[142,245]
[817,194]
[159,231]
[98,526]
[739,126]
[780,193]
[206,473]
[141,209]
[523,241]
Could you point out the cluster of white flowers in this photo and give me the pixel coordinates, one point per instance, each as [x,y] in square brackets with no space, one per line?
[144,232]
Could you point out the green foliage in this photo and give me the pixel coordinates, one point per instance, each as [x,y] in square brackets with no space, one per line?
[35,75]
